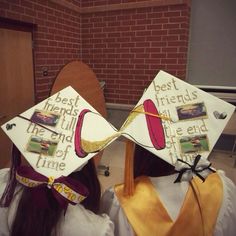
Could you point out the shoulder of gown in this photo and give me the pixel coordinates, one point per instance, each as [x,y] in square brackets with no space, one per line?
[226,220]
[111,206]
[77,220]
[81,221]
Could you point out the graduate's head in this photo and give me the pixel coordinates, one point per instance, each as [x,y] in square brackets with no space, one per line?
[178,124]
[50,164]
[148,164]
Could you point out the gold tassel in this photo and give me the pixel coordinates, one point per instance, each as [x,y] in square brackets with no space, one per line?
[129,169]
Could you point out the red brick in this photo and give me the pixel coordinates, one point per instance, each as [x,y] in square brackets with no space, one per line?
[177,31]
[171,26]
[127,45]
[138,16]
[177,19]
[39,8]
[18,9]
[153,50]
[170,38]
[144,22]
[143,33]
[4,5]
[160,20]
[13,15]
[30,12]
[159,32]
[172,14]
[176,44]
[28,19]
[169,49]
[2,13]
[124,28]
[182,61]
[155,27]
[142,44]
[169,61]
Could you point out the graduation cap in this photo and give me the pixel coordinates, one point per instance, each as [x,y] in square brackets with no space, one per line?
[57,137]
[177,121]
[173,119]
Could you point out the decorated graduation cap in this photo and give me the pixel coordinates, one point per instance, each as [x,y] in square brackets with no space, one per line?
[177,122]
[173,119]
[57,137]
[176,119]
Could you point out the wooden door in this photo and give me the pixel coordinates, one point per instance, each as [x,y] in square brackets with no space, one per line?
[16,81]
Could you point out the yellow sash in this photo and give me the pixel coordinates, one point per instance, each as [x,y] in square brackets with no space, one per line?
[197,216]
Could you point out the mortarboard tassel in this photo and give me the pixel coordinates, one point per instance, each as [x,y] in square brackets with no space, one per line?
[129,169]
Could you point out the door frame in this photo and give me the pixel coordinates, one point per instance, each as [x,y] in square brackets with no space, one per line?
[11,24]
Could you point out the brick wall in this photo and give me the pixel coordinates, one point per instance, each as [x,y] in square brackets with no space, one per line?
[56,38]
[125,42]
[126,46]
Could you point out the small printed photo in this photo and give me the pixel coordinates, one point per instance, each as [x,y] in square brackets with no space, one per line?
[192,111]
[45,118]
[197,143]
[42,146]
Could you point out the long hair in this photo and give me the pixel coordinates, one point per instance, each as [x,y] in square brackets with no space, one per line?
[148,164]
[31,219]
[11,184]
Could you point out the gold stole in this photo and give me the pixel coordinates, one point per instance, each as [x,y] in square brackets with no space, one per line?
[197,216]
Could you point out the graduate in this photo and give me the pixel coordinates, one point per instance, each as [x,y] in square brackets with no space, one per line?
[170,187]
[52,186]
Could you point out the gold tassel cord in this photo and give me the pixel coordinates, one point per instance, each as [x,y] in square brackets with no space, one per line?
[132,116]
[155,115]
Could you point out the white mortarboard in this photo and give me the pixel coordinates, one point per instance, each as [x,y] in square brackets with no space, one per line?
[175,120]
[59,135]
